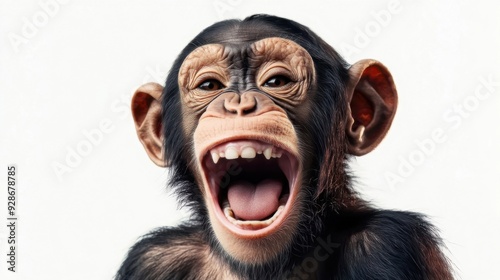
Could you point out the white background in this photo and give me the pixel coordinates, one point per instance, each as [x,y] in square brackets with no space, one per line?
[77,66]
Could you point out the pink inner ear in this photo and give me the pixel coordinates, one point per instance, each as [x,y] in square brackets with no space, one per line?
[378,78]
[361,109]
[140,106]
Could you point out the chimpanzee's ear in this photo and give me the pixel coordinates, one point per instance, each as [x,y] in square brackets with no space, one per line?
[146,110]
[373,100]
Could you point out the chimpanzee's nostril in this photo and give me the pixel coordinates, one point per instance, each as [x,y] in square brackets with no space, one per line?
[240,104]
[251,108]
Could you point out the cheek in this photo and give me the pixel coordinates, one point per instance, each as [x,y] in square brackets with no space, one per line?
[189,123]
[304,113]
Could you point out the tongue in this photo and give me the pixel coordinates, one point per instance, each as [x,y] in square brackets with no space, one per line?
[254,202]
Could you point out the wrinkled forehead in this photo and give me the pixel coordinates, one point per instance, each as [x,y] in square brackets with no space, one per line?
[268,49]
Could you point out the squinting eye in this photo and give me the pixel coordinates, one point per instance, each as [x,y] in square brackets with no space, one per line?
[211,85]
[277,81]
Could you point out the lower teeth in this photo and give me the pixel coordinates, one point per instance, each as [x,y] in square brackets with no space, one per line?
[251,224]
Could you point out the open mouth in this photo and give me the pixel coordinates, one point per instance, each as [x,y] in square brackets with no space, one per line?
[252,183]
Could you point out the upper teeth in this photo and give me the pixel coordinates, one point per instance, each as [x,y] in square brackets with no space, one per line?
[231,153]
[248,152]
[215,157]
[234,152]
[267,153]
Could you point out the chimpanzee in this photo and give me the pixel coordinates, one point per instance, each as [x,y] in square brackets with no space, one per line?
[256,122]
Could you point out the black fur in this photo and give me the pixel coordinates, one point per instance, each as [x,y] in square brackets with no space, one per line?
[394,247]
[369,245]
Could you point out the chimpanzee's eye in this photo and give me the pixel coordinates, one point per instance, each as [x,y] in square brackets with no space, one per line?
[211,85]
[277,81]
